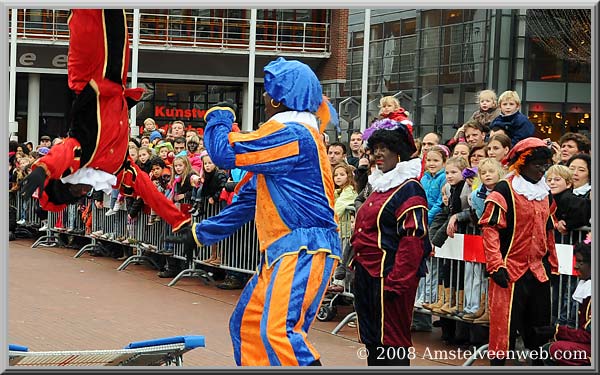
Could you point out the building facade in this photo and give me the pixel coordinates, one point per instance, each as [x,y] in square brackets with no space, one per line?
[434,61]
[187,60]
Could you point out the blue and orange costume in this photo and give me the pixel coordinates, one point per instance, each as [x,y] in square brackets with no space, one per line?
[99,131]
[289,191]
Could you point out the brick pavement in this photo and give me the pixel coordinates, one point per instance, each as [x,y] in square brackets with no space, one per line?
[57,302]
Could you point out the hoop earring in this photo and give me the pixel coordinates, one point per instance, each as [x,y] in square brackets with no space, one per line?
[273,105]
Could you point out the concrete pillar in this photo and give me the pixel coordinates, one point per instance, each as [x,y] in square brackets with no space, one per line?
[33,109]
[364,101]
[248,90]
[135,130]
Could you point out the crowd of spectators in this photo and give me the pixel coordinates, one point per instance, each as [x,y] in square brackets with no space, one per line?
[457,175]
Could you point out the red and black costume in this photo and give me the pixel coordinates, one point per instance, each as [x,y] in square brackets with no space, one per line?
[573,340]
[389,241]
[99,133]
[518,235]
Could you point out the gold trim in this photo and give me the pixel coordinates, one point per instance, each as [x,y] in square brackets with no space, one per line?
[510,305]
[382,310]
[105,44]
[194,225]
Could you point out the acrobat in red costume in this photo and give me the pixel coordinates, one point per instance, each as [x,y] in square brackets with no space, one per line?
[98,138]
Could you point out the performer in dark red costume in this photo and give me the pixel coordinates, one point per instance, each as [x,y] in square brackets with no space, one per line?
[390,243]
[569,344]
[518,239]
[94,155]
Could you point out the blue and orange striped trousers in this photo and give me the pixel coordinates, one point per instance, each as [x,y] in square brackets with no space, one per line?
[270,323]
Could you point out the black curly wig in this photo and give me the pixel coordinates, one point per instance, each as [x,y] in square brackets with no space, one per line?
[397,141]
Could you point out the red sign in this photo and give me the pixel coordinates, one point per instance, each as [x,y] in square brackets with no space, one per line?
[178,113]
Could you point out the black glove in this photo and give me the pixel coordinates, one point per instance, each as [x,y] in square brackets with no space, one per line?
[501,277]
[543,334]
[184,236]
[227,103]
[223,105]
[33,181]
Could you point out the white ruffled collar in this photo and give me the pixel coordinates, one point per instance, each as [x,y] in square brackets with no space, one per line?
[583,290]
[295,116]
[583,189]
[537,191]
[404,170]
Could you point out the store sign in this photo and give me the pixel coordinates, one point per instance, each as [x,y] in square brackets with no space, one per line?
[34,56]
[161,111]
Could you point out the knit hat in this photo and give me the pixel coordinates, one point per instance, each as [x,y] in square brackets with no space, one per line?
[294,84]
[168,145]
[155,135]
[43,150]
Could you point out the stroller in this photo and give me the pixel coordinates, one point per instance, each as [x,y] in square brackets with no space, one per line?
[340,290]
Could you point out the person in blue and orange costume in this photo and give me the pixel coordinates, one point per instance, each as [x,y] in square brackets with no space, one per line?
[95,154]
[518,241]
[391,246]
[289,191]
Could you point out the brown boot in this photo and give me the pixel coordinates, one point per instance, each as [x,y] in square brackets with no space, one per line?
[459,307]
[483,319]
[456,305]
[439,302]
[478,313]
[449,300]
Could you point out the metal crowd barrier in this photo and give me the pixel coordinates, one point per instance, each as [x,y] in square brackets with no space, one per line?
[240,252]
[561,287]
[328,309]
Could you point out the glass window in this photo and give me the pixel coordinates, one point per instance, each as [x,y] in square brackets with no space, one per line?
[451,16]
[543,66]
[357,38]
[431,18]
[409,26]
[391,29]
[376,32]
[578,72]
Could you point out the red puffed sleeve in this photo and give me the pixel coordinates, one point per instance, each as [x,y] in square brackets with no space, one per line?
[62,156]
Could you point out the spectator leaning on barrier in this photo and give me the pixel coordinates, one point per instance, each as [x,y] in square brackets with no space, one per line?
[287,167]
[518,240]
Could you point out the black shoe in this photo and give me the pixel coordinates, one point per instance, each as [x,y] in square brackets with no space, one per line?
[167,273]
[165,252]
[231,283]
